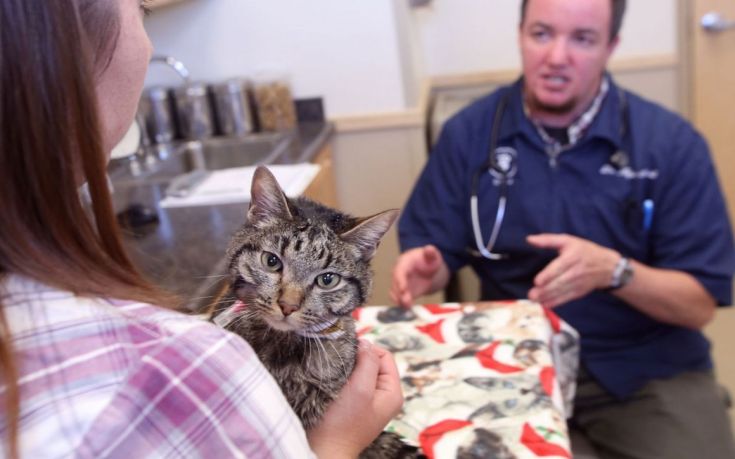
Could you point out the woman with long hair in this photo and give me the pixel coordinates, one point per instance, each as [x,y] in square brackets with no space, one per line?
[88,367]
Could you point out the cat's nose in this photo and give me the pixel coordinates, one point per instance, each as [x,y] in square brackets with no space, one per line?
[288,308]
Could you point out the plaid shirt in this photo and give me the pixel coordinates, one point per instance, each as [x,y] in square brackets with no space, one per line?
[105,378]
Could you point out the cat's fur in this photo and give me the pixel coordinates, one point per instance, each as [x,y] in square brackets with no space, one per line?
[283,295]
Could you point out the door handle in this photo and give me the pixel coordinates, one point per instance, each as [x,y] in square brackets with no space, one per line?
[714,22]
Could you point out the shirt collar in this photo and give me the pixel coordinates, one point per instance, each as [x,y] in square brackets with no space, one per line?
[603,118]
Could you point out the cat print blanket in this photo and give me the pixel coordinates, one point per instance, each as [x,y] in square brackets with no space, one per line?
[493,379]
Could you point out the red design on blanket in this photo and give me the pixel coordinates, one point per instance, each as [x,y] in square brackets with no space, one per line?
[547,376]
[487,359]
[441,309]
[554,320]
[539,445]
[432,434]
[434,330]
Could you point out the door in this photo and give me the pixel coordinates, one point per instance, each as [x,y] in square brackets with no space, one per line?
[713,85]
[712,71]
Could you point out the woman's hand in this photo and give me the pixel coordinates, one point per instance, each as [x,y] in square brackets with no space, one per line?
[371,398]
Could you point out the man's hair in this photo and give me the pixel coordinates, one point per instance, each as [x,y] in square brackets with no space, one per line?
[618,11]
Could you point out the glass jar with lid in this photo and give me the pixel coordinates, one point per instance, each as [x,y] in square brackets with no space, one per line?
[274,103]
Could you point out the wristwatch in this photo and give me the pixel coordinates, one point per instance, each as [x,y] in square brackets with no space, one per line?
[622,274]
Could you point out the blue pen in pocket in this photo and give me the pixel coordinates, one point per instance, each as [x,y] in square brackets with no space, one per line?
[647,214]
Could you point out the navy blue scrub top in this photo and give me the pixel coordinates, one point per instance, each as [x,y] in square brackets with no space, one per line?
[587,195]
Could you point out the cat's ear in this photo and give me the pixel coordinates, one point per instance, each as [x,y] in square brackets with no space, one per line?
[267,200]
[367,233]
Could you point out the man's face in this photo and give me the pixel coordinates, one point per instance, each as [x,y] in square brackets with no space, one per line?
[565,46]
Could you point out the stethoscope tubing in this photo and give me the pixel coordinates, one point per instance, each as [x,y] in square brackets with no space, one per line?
[486,251]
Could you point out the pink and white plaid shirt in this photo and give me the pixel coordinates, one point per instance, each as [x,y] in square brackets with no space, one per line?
[103,378]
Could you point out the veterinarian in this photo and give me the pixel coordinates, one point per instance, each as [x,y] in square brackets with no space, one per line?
[571,191]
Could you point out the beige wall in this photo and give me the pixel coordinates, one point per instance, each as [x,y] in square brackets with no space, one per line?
[375,168]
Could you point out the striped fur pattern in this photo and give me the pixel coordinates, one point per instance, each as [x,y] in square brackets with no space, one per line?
[301,268]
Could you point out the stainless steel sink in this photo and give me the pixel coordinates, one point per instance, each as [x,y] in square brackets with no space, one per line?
[144,177]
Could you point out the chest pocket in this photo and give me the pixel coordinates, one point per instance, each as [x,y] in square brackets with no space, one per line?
[614,216]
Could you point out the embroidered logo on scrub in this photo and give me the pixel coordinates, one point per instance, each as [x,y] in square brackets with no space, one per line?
[504,165]
[629,173]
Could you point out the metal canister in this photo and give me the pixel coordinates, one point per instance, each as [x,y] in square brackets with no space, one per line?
[157,112]
[193,111]
[232,108]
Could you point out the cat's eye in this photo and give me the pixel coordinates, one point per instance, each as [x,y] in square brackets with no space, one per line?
[328,281]
[271,262]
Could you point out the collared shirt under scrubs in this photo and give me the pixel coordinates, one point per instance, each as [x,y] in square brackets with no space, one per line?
[587,193]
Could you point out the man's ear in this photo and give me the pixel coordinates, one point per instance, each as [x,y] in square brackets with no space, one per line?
[267,200]
[367,233]
[612,46]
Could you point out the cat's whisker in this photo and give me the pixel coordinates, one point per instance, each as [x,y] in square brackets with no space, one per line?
[328,366]
[322,358]
[239,319]
[322,355]
[344,368]
[216,276]
[198,298]
[318,355]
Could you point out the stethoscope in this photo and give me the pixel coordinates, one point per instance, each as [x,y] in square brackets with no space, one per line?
[503,165]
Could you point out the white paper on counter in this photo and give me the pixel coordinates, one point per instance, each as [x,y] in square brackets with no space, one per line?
[226,186]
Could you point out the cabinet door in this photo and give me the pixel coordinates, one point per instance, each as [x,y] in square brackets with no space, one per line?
[322,189]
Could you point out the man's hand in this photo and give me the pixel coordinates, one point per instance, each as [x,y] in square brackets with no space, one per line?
[417,272]
[582,266]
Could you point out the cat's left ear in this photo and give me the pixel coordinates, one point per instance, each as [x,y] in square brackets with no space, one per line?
[368,232]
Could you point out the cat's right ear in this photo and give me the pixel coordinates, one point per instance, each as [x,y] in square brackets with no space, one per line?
[267,199]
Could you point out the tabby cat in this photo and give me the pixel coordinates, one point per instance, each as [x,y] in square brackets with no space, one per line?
[299,269]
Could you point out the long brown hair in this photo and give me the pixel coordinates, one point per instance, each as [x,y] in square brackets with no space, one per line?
[51,52]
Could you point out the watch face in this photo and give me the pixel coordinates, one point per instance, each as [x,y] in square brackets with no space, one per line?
[627,273]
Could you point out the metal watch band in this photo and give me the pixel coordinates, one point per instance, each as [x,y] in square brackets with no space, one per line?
[621,274]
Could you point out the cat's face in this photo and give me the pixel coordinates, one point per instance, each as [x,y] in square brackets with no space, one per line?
[298,265]
[296,275]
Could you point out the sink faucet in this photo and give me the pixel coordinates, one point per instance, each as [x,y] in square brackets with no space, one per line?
[175,64]
[193,112]
[156,112]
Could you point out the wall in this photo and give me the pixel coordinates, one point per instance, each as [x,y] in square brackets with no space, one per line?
[342,50]
[390,160]
[461,36]
[370,56]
